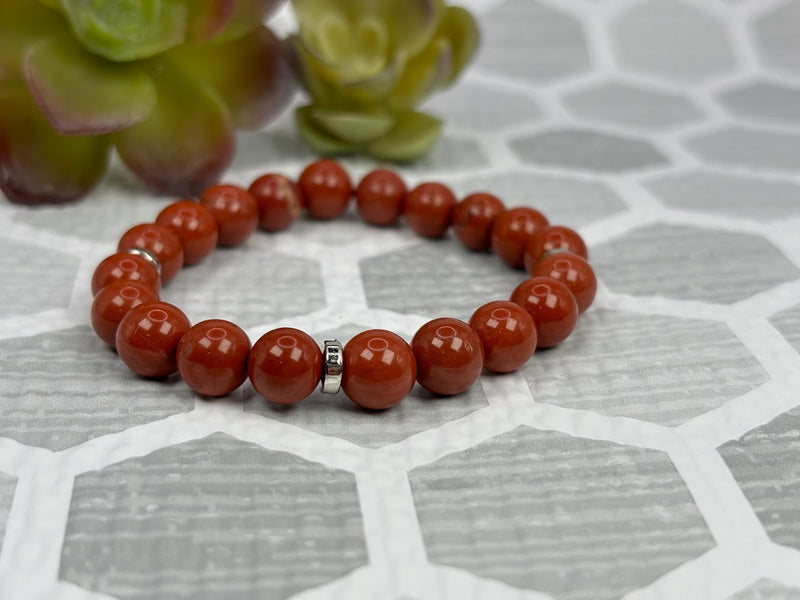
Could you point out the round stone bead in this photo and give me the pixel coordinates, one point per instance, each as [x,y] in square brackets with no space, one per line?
[279,201]
[508,334]
[574,272]
[148,337]
[113,302]
[511,231]
[235,211]
[473,218]
[161,241]
[553,237]
[552,306]
[380,197]
[449,356]
[285,365]
[124,266]
[379,369]
[429,209]
[212,357]
[195,227]
[326,189]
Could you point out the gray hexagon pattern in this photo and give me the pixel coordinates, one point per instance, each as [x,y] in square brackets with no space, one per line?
[729,194]
[578,519]
[50,288]
[234,524]
[776,36]
[692,264]
[765,589]
[620,364]
[530,41]
[98,385]
[661,37]
[766,463]
[788,323]
[764,100]
[750,148]
[8,485]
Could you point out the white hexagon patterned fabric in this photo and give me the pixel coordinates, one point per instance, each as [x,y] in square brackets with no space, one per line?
[654,455]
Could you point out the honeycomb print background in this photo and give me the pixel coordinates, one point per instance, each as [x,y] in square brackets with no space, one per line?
[654,455]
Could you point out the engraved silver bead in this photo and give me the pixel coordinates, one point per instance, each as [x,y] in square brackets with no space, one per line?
[147,255]
[332,365]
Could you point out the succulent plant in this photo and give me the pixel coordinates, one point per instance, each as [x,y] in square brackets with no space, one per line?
[164,82]
[367,64]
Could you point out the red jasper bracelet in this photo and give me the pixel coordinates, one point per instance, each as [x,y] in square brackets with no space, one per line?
[377,368]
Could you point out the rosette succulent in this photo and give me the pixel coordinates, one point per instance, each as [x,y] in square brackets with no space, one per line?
[367,64]
[164,82]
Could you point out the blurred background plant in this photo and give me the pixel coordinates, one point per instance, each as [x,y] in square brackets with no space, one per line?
[367,64]
[164,82]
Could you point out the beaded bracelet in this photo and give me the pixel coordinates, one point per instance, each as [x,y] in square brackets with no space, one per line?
[377,368]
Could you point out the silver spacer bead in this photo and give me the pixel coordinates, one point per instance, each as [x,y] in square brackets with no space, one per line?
[147,255]
[332,364]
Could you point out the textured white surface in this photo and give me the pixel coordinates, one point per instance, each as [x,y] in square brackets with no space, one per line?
[625,118]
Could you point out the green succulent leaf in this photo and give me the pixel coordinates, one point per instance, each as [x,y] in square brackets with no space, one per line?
[247,16]
[458,26]
[37,165]
[358,51]
[22,24]
[320,141]
[81,94]
[124,30]
[413,135]
[186,143]
[252,74]
[425,73]
[356,128]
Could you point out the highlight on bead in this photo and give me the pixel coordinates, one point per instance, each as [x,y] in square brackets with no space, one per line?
[377,368]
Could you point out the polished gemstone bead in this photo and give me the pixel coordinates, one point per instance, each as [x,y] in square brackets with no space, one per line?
[235,211]
[473,218]
[124,266]
[279,201]
[508,335]
[113,301]
[326,189]
[449,356]
[511,231]
[552,306]
[285,365]
[379,369]
[380,197]
[429,209]
[553,237]
[212,357]
[161,241]
[574,272]
[148,337]
[195,226]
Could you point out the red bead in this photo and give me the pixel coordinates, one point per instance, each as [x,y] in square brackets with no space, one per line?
[552,306]
[285,365]
[574,272]
[379,369]
[511,231]
[195,226]
[212,357]
[508,334]
[326,189]
[380,197]
[429,209]
[235,211]
[553,237]
[124,266]
[161,241]
[279,201]
[473,218]
[113,302]
[148,337]
[449,356]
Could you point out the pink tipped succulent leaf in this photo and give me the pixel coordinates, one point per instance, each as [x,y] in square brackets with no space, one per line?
[82,94]
[187,141]
[247,16]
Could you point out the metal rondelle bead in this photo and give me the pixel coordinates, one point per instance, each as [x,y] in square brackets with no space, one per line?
[332,364]
[147,255]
